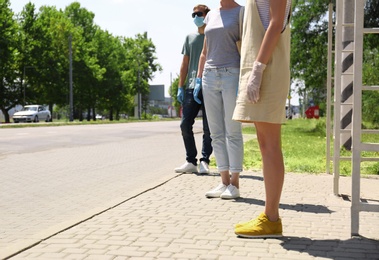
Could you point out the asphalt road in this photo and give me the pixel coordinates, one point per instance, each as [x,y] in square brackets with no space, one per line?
[55,177]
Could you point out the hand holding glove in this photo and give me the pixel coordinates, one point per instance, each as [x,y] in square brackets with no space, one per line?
[180,95]
[255,81]
[196,90]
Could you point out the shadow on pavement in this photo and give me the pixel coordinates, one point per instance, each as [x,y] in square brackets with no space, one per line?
[242,176]
[310,208]
[354,248]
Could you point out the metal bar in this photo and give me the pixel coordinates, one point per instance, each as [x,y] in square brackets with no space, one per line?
[369,207]
[370,131]
[376,88]
[70,79]
[371,30]
[369,159]
[337,97]
[329,90]
[370,147]
[357,116]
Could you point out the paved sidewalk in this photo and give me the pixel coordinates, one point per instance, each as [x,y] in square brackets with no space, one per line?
[176,221]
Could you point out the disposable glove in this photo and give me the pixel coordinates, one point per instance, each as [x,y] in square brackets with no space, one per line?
[180,95]
[196,91]
[255,81]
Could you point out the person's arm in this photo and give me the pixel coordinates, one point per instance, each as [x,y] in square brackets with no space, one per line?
[272,35]
[200,69]
[203,57]
[183,70]
[182,78]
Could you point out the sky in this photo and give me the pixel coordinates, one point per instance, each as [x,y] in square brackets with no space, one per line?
[167,22]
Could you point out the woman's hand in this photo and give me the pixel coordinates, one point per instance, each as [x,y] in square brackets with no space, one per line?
[255,80]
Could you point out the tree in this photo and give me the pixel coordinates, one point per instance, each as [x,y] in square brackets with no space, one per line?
[30,51]
[54,29]
[370,99]
[173,91]
[34,49]
[309,46]
[10,85]
[87,69]
[146,64]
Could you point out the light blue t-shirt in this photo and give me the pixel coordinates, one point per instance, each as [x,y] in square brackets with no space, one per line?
[222,33]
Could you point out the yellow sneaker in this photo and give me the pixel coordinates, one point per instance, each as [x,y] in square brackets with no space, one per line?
[260,227]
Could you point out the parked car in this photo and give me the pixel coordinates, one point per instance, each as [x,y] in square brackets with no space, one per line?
[99,117]
[32,113]
[289,112]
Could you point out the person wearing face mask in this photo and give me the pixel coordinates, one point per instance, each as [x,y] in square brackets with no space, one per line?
[191,52]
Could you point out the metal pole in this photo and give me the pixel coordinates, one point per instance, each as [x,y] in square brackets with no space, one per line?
[329,88]
[337,97]
[139,94]
[171,106]
[347,73]
[23,85]
[357,117]
[305,101]
[70,79]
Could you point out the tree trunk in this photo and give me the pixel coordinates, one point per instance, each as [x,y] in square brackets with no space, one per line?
[6,115]
[111,114]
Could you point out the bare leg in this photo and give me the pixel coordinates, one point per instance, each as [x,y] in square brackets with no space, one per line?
[225,178]
[235,180]
[269,138]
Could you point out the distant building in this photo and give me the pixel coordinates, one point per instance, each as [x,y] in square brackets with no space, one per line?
[156,93]
[157,99]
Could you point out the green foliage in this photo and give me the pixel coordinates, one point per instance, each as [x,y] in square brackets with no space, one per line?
[157,110]
[370,100]
[10,87]
[173,91]
[309,52]
[371,13]
[309,29]
[108,70]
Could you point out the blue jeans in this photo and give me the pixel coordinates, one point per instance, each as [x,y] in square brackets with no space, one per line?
[190,110]
[220,93]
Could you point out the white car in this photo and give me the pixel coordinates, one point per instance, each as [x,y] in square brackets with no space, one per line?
[32,113]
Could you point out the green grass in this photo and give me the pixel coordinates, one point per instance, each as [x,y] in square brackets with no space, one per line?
[304,149]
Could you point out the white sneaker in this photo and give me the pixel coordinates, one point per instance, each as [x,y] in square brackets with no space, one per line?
[204,168]
[216,192]
[231,192]
[186,167]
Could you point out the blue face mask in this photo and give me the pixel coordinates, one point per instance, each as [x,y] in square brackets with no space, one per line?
[199,21]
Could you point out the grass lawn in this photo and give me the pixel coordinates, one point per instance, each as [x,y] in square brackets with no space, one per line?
[304,149]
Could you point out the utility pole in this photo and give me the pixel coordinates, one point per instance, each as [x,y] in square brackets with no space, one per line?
[23,85]
[139,93]
[171,106]
[347,73]
[70,79]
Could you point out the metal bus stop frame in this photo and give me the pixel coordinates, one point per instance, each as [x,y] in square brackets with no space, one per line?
[358,146]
